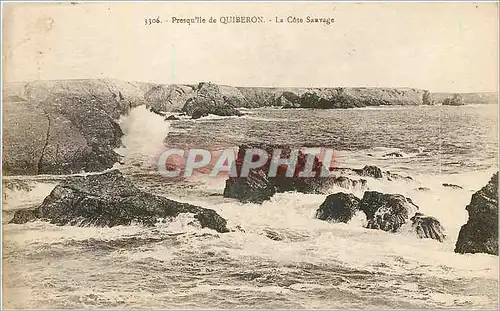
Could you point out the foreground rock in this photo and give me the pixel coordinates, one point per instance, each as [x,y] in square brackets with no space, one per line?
[428,227]
[387,212]
[108,200]
[338,207]
[480,233]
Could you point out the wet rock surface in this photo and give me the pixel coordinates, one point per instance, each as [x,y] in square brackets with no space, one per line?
[453,186]
[480,233]
[108,200]
[387,212]
[428,227]
[338,207]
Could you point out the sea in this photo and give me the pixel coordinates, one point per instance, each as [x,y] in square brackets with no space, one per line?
[277,254]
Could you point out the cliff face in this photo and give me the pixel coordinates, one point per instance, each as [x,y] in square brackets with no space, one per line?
[61,127]
[480,233]
[467,98]
[66,126]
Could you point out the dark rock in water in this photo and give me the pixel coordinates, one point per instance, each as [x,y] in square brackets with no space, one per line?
[393,154]
[255,188]
[369,154]
[171,118]
[108,200]
[348,183]
[452,186]
[387,212]
[273,235]
[24,215]
[423,189]
[428,227]
[156,111]
[370,171]
[198,114]
[288,100]
[258,186]
[209,100]
[480,233]
[290,106]
[338,207]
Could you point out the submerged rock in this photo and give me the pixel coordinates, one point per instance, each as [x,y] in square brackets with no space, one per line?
[338,207]
[108,200]
[423,189]
[428,227]
[393,155]
[387,212]
[480,233]
[349,183]
[171,118]
[452,186]
[370,171]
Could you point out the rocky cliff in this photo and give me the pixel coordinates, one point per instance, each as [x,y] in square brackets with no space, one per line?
[467,98]
[480,233]
[60,127]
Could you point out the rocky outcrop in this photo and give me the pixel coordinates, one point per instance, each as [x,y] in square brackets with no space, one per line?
[172,118]
[480,233]
[453,186]
[62,127]
[348,183]
[334,98]
[370,171]
[427,227]
[387,212]
[454,100]
[258,186]
[383,211]
[467,98]
[208,99]
[393,155]
[168,97]
[288,100]
[338,207]
[108,200]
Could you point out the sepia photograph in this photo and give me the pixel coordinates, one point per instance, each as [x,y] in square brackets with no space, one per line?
[250,155]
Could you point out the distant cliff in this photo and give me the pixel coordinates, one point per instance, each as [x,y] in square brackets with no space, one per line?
[466,98]
[68,126]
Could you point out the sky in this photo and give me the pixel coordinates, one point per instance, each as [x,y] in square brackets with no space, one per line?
[442,47]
